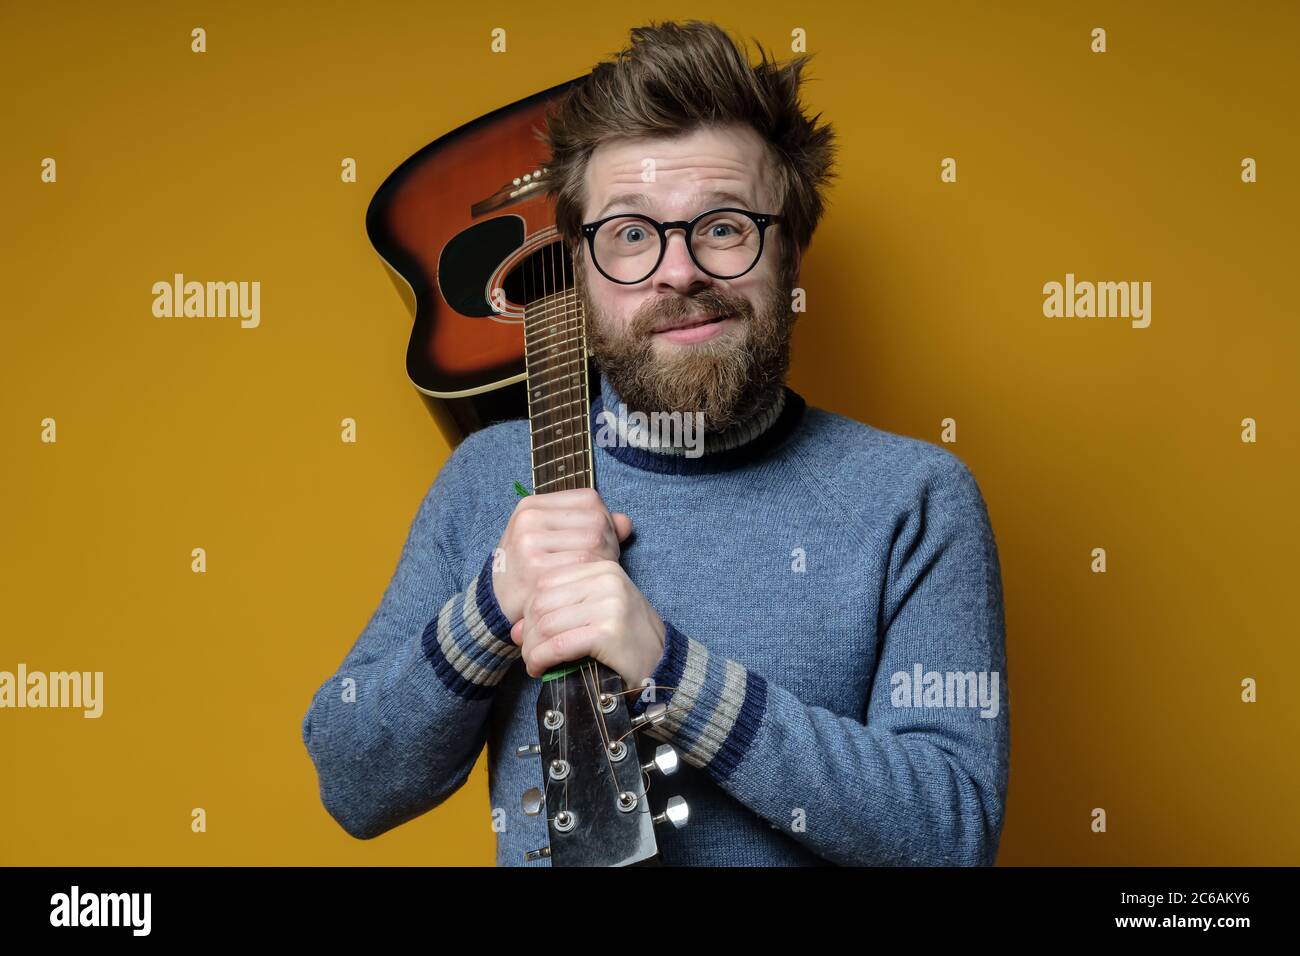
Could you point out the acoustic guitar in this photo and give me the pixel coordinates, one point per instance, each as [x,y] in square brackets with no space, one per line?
[468,235]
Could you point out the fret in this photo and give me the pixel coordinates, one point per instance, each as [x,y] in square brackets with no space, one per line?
[578,423]
[573,431]
[553,306]
[558,311]
[580,358]
[577,475]
[536,366]
[559,456]
[547,358]
[556,441]
[553,330]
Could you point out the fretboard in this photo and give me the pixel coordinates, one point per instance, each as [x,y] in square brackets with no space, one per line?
[555,356]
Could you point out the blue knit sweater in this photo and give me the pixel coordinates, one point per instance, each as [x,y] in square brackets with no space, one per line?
[834,630]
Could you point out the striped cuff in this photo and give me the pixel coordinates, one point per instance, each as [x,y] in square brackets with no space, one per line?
[715,706]
[469,643]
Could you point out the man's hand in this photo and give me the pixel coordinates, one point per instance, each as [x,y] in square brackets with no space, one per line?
[551,531]
[590,610]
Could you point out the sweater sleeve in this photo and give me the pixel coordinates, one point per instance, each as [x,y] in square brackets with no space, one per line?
[914,781]
[398,727]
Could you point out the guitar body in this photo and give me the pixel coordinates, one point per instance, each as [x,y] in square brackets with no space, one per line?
[455,224]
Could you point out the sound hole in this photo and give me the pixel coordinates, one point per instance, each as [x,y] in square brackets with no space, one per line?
[544,273]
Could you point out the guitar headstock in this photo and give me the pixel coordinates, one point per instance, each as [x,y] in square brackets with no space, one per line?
[594,798]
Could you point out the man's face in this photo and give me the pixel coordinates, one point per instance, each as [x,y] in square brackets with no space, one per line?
[644,336]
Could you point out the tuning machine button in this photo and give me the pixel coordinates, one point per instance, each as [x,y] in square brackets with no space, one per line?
[531,855]
[676,813]
[528,750]
[533,801]
[653,715]
[665,761]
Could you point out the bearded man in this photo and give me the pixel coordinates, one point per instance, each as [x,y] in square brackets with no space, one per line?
[818,602]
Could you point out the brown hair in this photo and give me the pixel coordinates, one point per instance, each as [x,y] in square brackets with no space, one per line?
[673,78]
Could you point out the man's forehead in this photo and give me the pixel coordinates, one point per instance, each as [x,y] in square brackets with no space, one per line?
[709,164]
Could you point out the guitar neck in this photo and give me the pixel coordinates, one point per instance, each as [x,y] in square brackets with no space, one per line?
[555,356]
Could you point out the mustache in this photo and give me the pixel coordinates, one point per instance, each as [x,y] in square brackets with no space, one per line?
[655,314]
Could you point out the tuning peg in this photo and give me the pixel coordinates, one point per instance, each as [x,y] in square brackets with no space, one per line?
[653,714]
[665,761]
[531,855]
[676,813]
[527,750]
[533,801]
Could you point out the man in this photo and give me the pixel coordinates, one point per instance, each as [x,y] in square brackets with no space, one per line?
[818,602]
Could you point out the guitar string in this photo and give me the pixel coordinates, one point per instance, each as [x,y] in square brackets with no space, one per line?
[591,668]
[599,722]
[667,711]
[578,379]
[572,476]
[547,294]
[532,312]
[594,691]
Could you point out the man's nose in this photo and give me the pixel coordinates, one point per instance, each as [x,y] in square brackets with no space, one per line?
[678,270]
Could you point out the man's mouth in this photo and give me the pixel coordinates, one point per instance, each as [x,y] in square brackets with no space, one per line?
[692,322]
[693,329]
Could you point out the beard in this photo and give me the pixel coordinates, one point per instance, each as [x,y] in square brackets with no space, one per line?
[728,377]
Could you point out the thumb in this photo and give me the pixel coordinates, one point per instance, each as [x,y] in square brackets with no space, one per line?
[622,525]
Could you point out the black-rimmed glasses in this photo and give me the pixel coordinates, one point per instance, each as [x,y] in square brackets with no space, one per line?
[725,243]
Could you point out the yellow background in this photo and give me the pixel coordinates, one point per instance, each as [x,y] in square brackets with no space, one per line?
[925,301]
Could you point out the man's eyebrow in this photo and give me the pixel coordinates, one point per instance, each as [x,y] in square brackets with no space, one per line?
[640,201]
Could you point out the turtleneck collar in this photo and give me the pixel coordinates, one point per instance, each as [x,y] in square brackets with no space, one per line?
[632,438]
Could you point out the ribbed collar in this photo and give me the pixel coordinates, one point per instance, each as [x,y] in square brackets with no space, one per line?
[620,434]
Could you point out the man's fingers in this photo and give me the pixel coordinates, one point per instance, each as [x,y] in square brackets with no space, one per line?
[561,559]
[565,518]
[567,498]
[576,571]
[559,540]
[570,646]
[622,525]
